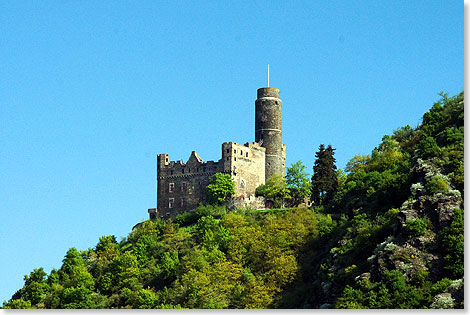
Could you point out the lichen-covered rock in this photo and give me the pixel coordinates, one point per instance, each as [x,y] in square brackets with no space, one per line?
[457,290]
[407,258]
[442,300]
[407,214]
[439,206]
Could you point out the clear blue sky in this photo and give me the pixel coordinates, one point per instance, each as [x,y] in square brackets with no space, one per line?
[91,91]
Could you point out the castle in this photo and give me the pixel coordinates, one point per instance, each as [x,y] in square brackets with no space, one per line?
[182,186]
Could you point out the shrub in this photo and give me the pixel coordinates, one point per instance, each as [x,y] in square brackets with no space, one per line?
[437,184]
[453,245]
[416,227]
[191,217]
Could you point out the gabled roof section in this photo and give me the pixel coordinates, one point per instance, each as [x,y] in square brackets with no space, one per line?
[194,158]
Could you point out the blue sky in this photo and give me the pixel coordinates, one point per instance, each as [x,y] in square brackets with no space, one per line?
[91,91]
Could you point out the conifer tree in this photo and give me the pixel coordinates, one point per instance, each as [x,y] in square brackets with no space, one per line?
[324,180]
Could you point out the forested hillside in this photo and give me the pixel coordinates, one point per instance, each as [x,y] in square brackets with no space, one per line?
[387,233]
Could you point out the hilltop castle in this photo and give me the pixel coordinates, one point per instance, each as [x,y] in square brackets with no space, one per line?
[182,186]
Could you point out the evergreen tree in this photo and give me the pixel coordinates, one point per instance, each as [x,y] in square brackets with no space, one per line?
[324,180]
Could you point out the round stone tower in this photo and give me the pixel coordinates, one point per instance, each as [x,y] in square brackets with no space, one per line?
[268,129]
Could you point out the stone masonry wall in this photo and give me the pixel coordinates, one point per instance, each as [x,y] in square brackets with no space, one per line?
[246,202]
[245,163]
[182,186]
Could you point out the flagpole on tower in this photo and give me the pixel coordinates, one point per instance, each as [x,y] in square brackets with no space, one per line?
[268,74]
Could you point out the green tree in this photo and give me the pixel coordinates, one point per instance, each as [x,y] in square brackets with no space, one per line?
[275,189]
[324,179]
[212,234]
[35,287]
[357,163]
[298,183]
[428,148]
[220,188]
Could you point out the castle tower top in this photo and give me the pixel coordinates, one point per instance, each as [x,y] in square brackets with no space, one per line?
[268,92]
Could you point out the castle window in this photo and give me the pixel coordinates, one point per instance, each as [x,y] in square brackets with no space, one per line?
[234,151]
[227,158]
[182,171]
[171,203]
[183,202]
[171,172]
[171,187]
[189,170]
[184,187]
[241,152]
[235,159]
[166,160]
[246,154]
[228,150]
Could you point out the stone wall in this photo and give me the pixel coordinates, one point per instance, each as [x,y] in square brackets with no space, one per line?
[246,202]
[245,163]
[182,186]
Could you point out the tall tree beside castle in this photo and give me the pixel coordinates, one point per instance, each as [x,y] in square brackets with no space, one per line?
[324,181]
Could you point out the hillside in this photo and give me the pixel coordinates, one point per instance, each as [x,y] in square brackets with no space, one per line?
[391,237]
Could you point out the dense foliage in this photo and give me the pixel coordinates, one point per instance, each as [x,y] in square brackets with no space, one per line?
[211,260]
[390,235]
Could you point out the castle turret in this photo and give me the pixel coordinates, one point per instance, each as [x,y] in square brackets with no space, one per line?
[268,129]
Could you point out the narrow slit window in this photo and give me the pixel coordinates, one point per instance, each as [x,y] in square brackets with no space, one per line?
[171,187]
[171,203]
